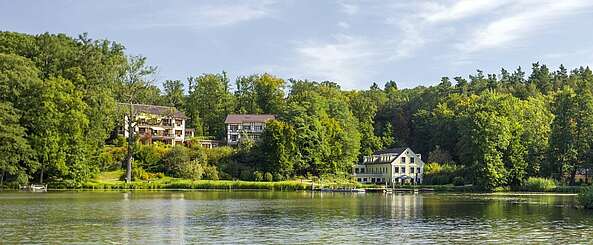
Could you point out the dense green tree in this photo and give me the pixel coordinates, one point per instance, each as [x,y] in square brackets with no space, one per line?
[15,159]
[174,93]
[209,102]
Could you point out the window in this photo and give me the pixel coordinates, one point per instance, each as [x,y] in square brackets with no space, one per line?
[362,170]
[364,179]
[373,180]
[397,170]
[178,122]
[411,159]
[178,133]
[234,137]
[359,179]
[403,159]
[258,127]
[403,170]
[234,128]
[356,170]
[417,170]
[246,127]
[411,170]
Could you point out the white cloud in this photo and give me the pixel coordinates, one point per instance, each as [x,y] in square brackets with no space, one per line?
[343,25]
[528,17]
[348,8]
[345,59]
[459,10]
[206,16]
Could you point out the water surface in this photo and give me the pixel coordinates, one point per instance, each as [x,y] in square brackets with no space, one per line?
[289,218]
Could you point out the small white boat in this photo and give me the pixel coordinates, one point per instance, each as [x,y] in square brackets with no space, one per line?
[34,188]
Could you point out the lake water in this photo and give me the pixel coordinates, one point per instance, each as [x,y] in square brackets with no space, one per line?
[289,218]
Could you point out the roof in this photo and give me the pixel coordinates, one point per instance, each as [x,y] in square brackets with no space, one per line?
[157,110]
[243,118]
[397,151]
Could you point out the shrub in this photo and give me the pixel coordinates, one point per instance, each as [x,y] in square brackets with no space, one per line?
[458,181]
[211,173]
[586,197]
[245,175]
[174,158]
[189,170]
[258,176]
[111,158]
[268,177]
[278,177]
[539,184]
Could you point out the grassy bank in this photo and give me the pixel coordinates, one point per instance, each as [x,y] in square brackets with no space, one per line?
[111,180]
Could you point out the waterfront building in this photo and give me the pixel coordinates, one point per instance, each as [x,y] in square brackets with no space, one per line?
[391,166]
[154,123]
[245,125]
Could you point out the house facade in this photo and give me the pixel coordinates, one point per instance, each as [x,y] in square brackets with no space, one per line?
[157,124]
[245,125]
[391,166]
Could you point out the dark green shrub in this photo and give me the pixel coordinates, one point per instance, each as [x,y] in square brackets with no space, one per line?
[586,197]
[258,176]
[278,177]
[173,159]
[211,173]
[245,175]
[539,184]
[458,181]
[268,177]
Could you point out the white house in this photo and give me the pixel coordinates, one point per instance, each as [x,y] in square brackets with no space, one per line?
[391,166]
[250,125]
[156,124]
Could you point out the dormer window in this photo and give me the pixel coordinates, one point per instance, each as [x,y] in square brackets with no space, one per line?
[403,159]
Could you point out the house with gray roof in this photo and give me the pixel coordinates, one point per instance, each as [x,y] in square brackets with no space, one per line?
[245,125]
[390,166]
[154,123]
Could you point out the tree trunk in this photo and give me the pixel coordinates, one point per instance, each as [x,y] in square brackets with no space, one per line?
[41,177]
[573,174]
[130,156]
[2,179]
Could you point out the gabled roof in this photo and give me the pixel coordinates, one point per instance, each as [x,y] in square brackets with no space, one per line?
[243,118]
[156,110]
[397,151]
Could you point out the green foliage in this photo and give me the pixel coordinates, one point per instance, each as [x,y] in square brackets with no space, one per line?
[209,102]
[539,184]
[458,181]
[111,158]
[268,177]
[586,198]
[258,176]
[442,174]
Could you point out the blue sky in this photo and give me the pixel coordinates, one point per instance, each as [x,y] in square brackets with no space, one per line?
[353,43]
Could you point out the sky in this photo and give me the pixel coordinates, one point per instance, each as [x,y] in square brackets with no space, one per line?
[353,43]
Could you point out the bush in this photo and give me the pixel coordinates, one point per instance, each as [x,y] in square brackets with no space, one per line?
[189,170]
[458,181]
[111,158]
[211,173]
[268,177]
[278,177]
[246,174]
[177,156]
[586,197]
[258,176]
[539,184]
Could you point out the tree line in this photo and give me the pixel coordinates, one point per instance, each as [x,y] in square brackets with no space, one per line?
[58,110]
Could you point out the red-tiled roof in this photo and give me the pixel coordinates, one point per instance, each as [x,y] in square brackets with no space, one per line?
[243,118]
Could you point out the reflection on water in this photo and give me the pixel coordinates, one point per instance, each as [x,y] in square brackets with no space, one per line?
[290,217]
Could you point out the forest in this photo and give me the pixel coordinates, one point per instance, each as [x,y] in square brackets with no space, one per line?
[58,112]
